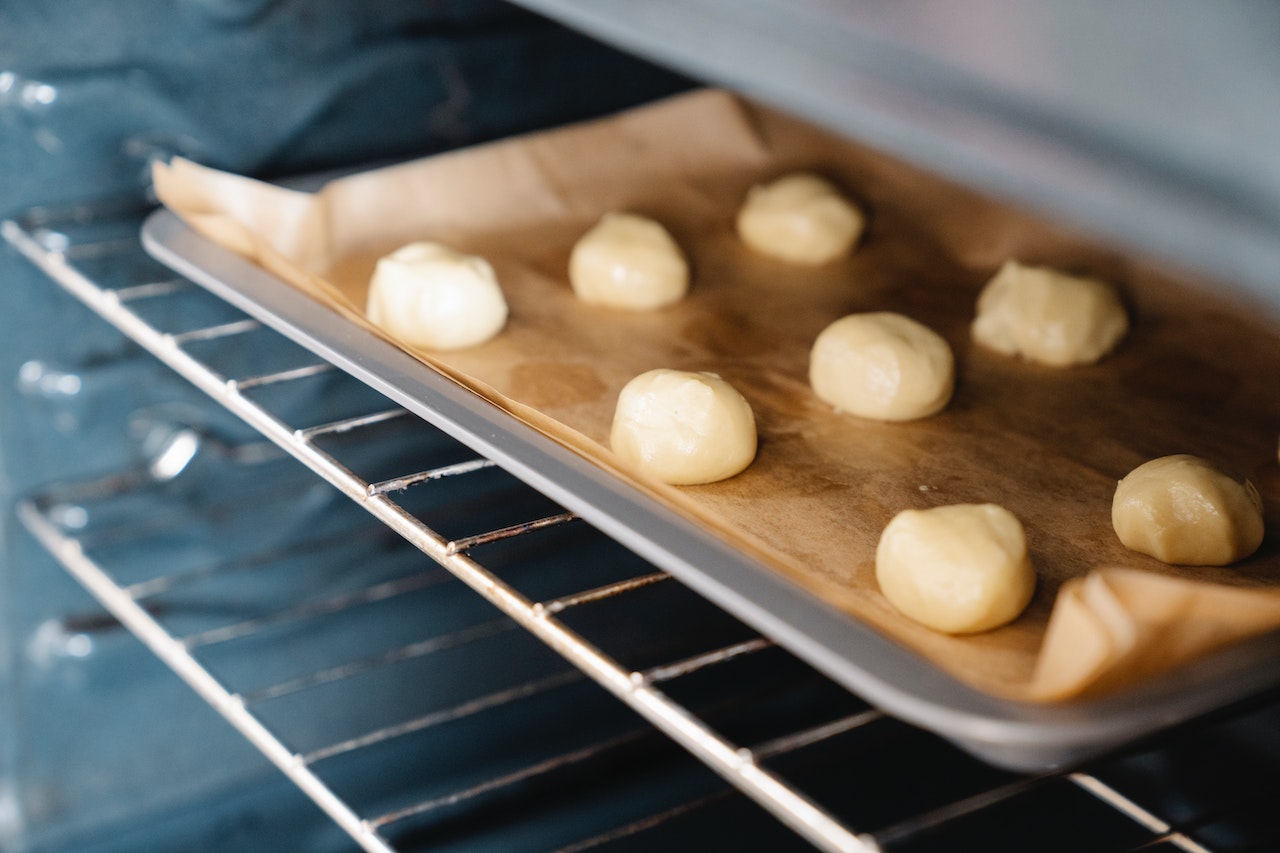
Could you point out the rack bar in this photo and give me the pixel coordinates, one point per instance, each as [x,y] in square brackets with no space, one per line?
[639,826]
[281,376]
[158,585]
[816,734]
[311,610]
[99,248]
[692,664]
[349,424]
[550,608]
[151,289]
[458,546]
[951,811]
[466,709]
[525,773]
[209,333]
[403,653]
[399,484]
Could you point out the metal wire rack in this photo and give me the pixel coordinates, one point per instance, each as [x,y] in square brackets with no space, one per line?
[680,689]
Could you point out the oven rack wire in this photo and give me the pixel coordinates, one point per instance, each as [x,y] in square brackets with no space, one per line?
[62,257]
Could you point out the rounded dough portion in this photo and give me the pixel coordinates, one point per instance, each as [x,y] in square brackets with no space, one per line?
[628,261]
[428,295]
[1187,511]
[883,366]
[683,428]
[800,219]
[958,569]
[1049,317]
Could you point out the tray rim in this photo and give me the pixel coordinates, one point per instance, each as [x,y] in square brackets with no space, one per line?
[1022,736]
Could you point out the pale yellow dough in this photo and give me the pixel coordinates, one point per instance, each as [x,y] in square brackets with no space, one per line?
[628,261]
[801,219]
[1048,316]
[430,296]
[683,428]
[958,569]
[1187,511]
[882,365]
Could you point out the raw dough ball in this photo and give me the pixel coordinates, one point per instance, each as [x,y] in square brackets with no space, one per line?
[1185,510]
[882,365]
[801,219]
[1048,316]
[628,261]
[427,295]
[683,428]
[957,569]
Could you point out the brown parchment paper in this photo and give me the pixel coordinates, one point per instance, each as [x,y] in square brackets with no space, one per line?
[1196,375]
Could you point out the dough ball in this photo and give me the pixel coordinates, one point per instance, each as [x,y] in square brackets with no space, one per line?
[1185,510]
[683,428]
[1049,317]
[957,569]
[628,261]
[427,295]
[882,365]
[800,219]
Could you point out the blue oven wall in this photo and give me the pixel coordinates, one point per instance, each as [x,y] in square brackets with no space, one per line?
[96,736]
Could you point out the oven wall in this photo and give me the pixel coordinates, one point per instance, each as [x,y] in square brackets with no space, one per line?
[95,735]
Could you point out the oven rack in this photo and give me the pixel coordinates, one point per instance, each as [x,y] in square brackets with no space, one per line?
[55,249]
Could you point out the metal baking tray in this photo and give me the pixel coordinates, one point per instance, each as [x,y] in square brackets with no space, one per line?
[1016,735]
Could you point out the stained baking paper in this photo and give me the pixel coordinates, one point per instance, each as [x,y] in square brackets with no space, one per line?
[1196,374]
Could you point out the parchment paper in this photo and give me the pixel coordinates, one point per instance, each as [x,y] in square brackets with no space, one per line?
[1197,374]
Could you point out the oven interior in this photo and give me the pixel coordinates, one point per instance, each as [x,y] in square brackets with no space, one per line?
[250,603]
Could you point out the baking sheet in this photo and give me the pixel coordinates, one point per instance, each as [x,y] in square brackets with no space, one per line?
[1016,427]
